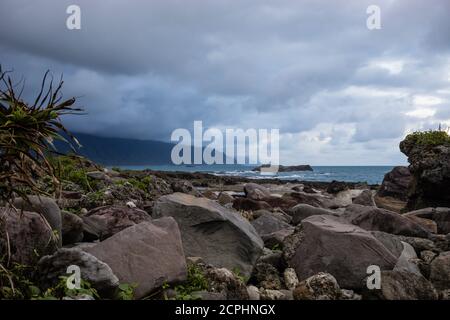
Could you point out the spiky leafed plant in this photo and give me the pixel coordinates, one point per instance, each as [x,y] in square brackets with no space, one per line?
[27,132]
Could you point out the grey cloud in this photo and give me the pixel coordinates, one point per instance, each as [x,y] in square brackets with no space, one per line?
[142,69]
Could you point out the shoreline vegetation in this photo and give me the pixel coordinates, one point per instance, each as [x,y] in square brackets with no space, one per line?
[189,235]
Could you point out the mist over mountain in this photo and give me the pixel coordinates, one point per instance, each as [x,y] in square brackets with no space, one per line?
[120,151]
[110,151]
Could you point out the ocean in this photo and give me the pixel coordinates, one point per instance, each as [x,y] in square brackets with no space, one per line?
[369,174]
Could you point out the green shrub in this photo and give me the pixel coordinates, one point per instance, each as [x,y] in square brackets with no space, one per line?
[428,138]
[196,281]
[27,132]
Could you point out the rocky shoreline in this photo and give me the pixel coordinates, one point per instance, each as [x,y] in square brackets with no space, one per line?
[177,235]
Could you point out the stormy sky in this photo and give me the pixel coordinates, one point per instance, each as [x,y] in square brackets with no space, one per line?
[339,93]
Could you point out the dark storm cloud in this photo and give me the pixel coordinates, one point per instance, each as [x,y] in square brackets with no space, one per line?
[310,68]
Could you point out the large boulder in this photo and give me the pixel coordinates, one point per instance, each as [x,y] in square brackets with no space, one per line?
[430,167]
[402,285]
[46,207]
[103,222]
[25,236]
[268,223]
[440,271]
[395,183]
[403,251]
[246,204]
[148,254]
[255,191]
[365,199]
[335,187]
[220,236]
[375,219]
[303,211]
[272,229]
[185,186]
[324,246]
[442,218]
[97,273]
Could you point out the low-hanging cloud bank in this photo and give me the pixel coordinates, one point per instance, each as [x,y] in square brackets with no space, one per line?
[338,92]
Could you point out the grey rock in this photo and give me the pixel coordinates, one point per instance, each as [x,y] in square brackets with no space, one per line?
[349,295]
[46,207]
[303,211]
[224,198]
[407,259]
[440,271]
[276,239]
[395,183]
[323,246]
[276,214]
[207,295]
[28,236]
[290,278]
[267,224]
[375,219]
[365,199]
[98,175]
[97,273]
[427,256]
[321,286]
[256,191]
[223,280]
[269,294]
[402,285]
[275,259]
[185,186]
[79,297]
[220,236]
[149,254]
[419,244]
[72,228]
[266,276]
[442,218]
[253,293]
[107,221]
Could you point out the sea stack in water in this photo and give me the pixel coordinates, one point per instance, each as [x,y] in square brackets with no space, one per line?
[302,167]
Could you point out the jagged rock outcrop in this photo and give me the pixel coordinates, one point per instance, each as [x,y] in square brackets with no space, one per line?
[395,183]
[430,167]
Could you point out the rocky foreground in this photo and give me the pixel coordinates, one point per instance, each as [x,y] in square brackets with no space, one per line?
[157,235]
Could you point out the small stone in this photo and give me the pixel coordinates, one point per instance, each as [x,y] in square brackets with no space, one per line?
[131,204]
[253,293]
[268,294]
[290,278]
[80,297]
[266,276]
[350,295]
[440,271]
[427,256]
[321,286]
